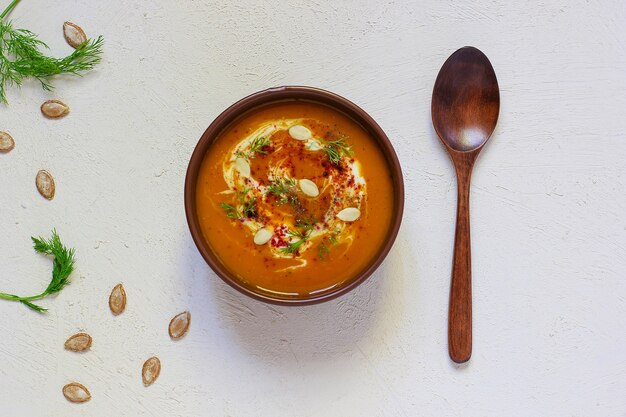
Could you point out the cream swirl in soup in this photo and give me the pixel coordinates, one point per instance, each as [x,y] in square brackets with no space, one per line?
[294,191]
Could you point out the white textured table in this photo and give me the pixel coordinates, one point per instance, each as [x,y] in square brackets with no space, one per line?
[548,215]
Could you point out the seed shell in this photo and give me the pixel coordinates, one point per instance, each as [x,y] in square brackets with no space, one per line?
[78,342]
[54,109]
[117,299]
[262,236]
[151,370]
[314,146]
[45,184]
[6,142]
[179,325]
[309,188]
[76,393]
[300,132]
[74,34]
[349,214]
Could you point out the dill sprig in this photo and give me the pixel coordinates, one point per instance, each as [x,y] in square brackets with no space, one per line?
[62,268]
[21,57]
[337,148]
[285,190]
[322,249]
[247,207]
[231,211]
[306,228]
[256,147]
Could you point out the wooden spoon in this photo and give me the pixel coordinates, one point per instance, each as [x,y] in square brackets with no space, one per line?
[465,107]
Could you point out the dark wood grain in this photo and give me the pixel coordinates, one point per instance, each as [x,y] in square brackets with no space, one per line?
[465,108]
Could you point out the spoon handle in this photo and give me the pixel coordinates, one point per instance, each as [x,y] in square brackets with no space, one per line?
[460,309]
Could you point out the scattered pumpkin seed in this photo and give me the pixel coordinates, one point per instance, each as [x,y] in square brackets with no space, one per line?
[151,370]
[6,142]
[262,236]
[309,188]
[300,132]
[74,34]
[117,299]
[45,184]
[54,109]
[78,342]
[76,393]
[243,167]
[314,146]
[349,214]
[179,325]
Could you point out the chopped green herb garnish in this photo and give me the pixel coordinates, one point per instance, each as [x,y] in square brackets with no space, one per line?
[322,250]
[301,236]
[247,209]
[285,190]
[337,148]
[258,144]
[231,211]
[256,147]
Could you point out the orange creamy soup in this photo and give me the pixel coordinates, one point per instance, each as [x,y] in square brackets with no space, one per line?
[295,198]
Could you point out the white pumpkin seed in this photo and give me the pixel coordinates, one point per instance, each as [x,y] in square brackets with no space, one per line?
[78,343]
[6,142]
[309,188]
[54,109]
[243,167]
[349,214]
[314,146]
[300,132]
[45,184]
[151,370]
[117,299]
[74,34]
[76,393]
[262,236]
[179,325]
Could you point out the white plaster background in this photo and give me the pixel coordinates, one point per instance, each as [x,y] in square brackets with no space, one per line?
[548,215]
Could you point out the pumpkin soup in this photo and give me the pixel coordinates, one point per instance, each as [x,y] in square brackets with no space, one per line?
[294,198]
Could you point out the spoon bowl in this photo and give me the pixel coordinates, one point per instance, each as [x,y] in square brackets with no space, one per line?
[465,108]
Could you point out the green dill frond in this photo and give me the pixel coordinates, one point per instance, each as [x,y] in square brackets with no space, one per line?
[231,211]
[322,250]
[285,190]
[302,233]
[248,207]
[257,146]
[62,268]
[336,149]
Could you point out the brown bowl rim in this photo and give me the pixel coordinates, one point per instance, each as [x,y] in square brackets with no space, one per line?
[277,94]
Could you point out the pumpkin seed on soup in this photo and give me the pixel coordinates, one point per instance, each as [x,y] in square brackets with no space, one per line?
[300,132]
[262,236]
[309,188]
[349,214]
